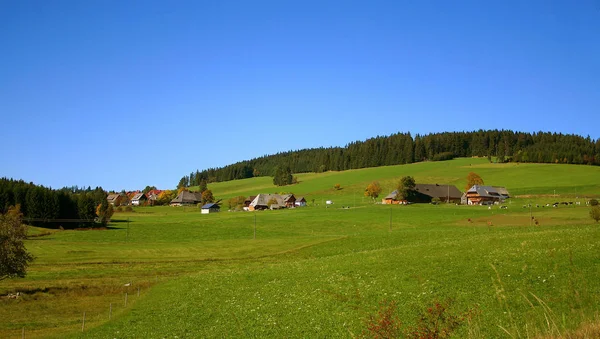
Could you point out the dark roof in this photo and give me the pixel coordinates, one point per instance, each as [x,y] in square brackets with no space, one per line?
[209,206]
[187,197]
[438,191]
[489,191]
[300,199]
[250,198]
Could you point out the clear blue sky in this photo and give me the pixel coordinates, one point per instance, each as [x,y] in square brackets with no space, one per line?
[124,94]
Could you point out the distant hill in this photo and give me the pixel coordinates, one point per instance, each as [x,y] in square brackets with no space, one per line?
[402,148]
[542,180]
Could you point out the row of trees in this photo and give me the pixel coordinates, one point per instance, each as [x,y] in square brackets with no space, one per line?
[44,205]
[402,148]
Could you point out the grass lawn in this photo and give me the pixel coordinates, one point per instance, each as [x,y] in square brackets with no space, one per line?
[322,272]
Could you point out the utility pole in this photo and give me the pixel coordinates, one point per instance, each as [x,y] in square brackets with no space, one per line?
[254,224]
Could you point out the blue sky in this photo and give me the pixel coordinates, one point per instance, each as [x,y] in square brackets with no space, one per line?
[128,94]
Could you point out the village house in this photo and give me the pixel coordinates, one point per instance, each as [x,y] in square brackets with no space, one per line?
[138,199]
[186,198]
[210,208]
[114,199]
[485,195]
[153,196]
[425,193]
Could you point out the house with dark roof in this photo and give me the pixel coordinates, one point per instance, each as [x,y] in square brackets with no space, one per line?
[186,198]
[425,193]
[210,208]
[138,199]
[485,195]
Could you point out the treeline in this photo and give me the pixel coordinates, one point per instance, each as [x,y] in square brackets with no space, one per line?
[42,206]
[402,148]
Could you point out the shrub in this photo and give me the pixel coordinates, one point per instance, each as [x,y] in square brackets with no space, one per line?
[119,209]
[128,209]
[593,202]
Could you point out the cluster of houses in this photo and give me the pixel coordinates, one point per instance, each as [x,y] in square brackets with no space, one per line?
[134,198]
[476,195]
[273,201]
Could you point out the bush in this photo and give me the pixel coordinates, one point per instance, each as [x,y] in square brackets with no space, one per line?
[119,209]
[593,202]
[128,209]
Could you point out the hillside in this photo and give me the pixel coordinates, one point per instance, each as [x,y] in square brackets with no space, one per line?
[323,272]
[518,178]
[402,148]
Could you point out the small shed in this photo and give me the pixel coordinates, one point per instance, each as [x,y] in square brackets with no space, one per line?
[300,201]
[210,208]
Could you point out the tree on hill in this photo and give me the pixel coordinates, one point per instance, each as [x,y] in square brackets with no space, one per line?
[283,176]
[207,197]
[14,258]
[406,188]
[148,189]
[473,179]
[373,190]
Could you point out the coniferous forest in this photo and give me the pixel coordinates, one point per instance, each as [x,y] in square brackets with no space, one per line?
[41,206]
[402,148]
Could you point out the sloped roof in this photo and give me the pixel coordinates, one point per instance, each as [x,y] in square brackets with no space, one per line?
[263,199]
[438,191]
[489,191]
[187,197]
[250,198]
[392,195]
[288,197]
[138,196]
[112,196]
[209,206]
[300,199]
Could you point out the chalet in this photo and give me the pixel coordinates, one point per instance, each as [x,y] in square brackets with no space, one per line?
[289,200]
[300,201]
[138,199]
[186,198]
[425,193]
[272,201]
[210,208]
[114,199]
[485,195]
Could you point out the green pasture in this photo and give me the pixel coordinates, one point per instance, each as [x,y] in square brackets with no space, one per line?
[322,272]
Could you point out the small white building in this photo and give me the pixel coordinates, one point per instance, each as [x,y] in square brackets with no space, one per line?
[210,208]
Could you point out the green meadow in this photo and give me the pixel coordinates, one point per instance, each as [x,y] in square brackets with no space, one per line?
[325,271]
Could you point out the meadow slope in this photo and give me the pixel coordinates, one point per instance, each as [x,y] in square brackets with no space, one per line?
[322,272]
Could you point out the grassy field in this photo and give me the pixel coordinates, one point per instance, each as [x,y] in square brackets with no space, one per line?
[323,272]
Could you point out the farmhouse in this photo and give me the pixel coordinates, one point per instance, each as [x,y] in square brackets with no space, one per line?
[186,198]
[300,201]
[210,208]
[153,196]
[114,199]
[272,201]
[485,195]
[138,199]
[424,193]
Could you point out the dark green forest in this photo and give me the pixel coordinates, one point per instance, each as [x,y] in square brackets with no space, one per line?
[402,148]
[41,206]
